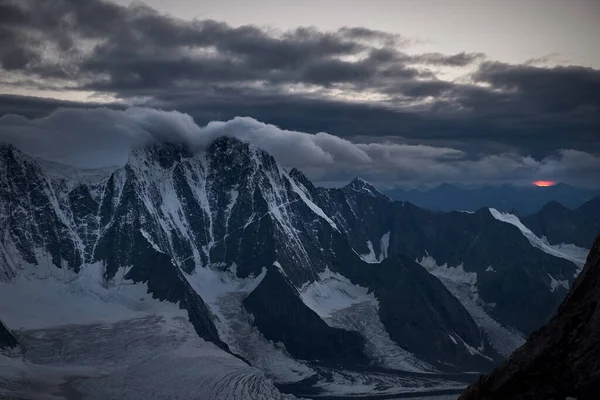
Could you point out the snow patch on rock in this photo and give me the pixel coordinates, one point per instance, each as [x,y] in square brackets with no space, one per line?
[453,274]
[385,245]
[371,257]
[333,292]
[555,284]
[211,285]
[315,208]
[472,351]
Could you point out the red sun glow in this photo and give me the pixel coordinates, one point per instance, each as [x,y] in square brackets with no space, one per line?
[544,183]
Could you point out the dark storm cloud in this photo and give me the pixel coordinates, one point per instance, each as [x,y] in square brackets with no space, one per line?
[300,80]
[390,39]
[38,107]
[136,48]
[456,60]
[555,90]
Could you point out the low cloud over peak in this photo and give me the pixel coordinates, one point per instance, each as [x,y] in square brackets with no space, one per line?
[352,82]
[99,137]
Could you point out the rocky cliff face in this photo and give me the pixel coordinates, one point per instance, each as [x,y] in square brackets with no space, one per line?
[562,358]
[305,334]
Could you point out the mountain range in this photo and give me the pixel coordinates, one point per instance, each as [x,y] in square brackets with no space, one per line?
[181,258]
[522,200]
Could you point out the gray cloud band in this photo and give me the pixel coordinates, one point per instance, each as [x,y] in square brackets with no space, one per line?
[101,137]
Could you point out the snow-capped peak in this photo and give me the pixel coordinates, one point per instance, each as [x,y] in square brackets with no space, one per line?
[358,184]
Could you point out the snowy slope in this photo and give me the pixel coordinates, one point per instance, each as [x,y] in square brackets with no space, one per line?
[462,285]
[334,292]
[32,301]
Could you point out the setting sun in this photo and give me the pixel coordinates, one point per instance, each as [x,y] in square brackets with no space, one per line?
[544,183]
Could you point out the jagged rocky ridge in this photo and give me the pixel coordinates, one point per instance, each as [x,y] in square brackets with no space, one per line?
[451,292]
[562,358]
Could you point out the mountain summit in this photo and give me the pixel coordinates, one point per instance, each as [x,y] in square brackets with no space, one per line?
[358,184]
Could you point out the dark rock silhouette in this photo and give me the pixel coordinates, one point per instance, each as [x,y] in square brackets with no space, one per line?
[7,339]
[562,358]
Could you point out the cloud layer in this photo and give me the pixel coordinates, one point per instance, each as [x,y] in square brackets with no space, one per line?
[103,137]
[350,82]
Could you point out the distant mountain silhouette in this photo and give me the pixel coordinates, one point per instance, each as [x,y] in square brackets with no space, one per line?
[506,198]
[559,224]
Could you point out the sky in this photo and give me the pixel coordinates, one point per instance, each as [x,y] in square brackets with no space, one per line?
[401,92]
[512,31]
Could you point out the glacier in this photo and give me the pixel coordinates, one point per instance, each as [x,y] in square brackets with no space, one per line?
[115,342]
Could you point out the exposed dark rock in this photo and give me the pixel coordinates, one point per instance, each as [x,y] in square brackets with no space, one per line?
[281,316]
[420,314]
[560,359]
[520,284]
[7,339]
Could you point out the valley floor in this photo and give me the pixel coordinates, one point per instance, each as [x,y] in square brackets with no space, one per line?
[151,357]
[161,357]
